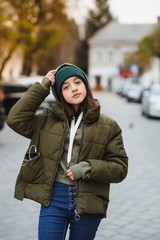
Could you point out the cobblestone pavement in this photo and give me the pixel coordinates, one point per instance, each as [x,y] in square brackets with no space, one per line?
[134,207]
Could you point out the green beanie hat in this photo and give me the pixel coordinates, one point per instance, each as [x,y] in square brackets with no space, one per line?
[66,71]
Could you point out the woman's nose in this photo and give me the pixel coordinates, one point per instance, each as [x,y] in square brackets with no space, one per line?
[74,88]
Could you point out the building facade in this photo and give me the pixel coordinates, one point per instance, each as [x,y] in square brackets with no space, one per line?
[108,49]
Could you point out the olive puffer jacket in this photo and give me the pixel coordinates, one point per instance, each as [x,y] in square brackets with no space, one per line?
[102,147]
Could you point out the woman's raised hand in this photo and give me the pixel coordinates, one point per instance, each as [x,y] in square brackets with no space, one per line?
[50,76]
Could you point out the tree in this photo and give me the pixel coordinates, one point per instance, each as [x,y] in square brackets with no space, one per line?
[64,50]
[148,48]
[97,18]
[150,45]
[8,39]
[145,46]
[51,29]
[37,27]
[142,61]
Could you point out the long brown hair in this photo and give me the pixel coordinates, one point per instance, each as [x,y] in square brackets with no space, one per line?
[87,103]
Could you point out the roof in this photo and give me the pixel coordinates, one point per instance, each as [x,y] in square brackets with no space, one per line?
[115,31]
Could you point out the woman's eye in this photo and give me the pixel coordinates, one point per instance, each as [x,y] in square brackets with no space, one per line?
[65,87]
[78,82]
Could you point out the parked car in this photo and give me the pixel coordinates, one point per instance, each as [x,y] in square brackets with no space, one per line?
[29,81]
[126,84]
[13,91]
[151,101]
[2,110]
[134,93]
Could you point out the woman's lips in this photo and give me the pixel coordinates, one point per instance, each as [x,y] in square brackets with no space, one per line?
[76,95]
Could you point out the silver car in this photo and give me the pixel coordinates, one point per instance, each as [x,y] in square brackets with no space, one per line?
[151,101]
[134,93]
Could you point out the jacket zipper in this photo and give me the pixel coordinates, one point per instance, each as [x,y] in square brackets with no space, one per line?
[60,154]
[76,210]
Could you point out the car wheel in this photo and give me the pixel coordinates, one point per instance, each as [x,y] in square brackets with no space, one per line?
[142,112]
[1,126]
[148,115]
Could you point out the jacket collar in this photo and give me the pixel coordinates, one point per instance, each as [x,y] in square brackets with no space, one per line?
[92,115]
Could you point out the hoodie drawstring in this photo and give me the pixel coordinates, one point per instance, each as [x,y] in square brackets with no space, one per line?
[74,127]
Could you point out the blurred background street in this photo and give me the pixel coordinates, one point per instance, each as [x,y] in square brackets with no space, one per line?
[134,204]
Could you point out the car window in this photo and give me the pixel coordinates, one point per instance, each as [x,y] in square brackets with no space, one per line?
[155,91]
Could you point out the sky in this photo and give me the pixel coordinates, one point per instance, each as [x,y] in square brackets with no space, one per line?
[126,11]
[135,11]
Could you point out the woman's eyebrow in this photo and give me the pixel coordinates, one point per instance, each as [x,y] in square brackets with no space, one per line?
[76,78]
[65,82]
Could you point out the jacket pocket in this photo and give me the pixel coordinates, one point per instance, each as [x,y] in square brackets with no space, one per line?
[91,203]
[32,170]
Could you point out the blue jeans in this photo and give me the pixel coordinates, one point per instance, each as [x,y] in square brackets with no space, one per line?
[61,213]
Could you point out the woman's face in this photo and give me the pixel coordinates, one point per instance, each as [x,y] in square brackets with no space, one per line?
[74,91]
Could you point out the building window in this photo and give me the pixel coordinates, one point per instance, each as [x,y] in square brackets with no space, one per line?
[97,56]
[110,57]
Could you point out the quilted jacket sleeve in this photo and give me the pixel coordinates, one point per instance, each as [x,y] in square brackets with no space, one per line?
[22,118]
[113,168]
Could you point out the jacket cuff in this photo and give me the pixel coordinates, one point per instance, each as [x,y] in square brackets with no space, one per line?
[46,83]
[81,170]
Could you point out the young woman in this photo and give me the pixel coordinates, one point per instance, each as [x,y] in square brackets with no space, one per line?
[74,155]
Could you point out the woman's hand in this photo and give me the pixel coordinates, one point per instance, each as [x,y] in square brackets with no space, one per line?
[70,174]
[50,76]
